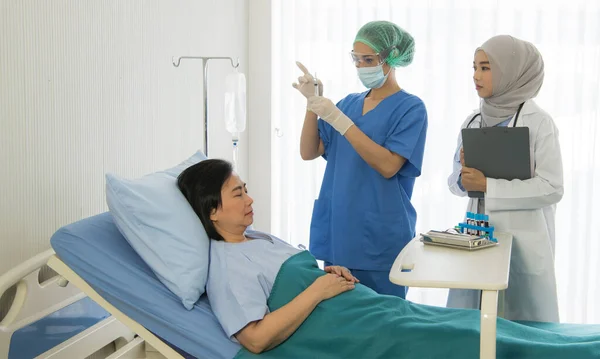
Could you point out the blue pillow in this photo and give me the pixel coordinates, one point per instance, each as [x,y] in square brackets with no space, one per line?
[161,226]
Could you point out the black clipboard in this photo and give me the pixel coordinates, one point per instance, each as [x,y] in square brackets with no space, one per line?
[498,152]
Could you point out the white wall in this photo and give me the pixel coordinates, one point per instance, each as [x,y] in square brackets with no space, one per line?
[260,132]
[88,87]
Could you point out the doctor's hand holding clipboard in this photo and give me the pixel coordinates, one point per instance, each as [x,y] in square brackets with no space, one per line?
[472,179]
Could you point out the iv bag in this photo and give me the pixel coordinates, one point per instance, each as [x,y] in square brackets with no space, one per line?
[235,102]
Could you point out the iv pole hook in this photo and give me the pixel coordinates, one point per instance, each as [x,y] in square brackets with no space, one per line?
[177,60]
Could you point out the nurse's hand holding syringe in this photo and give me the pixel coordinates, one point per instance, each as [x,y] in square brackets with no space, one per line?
[320,105]
[306,83]
[311,145]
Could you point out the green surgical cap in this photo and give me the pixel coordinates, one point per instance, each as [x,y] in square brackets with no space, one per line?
[396,46]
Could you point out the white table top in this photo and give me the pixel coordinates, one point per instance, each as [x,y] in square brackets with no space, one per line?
[441,267]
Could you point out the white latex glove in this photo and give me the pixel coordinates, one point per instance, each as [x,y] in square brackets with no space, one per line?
[329,113]
[306,83]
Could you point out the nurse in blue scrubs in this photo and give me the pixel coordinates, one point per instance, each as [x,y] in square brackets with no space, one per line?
[373,143]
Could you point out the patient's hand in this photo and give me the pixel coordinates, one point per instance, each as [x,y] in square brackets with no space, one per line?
[330,285]
[342,272]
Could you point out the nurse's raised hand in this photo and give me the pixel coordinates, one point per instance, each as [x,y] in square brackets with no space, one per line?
[306,83]
[329,113]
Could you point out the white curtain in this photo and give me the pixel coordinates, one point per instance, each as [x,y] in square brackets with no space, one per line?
[320,33]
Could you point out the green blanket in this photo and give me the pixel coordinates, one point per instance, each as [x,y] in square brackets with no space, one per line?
[363,324]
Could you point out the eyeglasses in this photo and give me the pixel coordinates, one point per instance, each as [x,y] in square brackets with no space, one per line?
[368,60]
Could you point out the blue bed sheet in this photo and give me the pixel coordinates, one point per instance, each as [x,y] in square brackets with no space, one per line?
[95,249]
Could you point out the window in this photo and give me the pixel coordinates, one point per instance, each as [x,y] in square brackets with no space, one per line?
[320,35]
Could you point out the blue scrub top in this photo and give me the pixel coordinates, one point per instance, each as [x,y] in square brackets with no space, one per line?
[362,220]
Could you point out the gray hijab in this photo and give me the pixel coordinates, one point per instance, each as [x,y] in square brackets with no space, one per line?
[517,76]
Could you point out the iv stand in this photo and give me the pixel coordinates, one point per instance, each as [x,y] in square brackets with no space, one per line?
[177,60]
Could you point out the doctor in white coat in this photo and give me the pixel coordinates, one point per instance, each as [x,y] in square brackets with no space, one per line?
[508,73]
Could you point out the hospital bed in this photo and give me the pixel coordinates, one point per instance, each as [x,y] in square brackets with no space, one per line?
[105,293]
[53,317]
[117,297]
[123,302]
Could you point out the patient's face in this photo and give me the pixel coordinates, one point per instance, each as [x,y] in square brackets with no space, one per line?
[235,213]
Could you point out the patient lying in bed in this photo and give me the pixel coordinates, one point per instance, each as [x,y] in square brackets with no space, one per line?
[274,300]
[244,263]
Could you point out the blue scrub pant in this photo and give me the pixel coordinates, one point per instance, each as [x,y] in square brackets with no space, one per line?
[379,281]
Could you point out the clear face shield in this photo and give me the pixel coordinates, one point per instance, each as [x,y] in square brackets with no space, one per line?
[368,60]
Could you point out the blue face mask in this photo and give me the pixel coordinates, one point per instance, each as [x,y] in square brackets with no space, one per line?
[372,77]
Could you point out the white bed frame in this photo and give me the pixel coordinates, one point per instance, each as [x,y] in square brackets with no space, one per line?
[34,301]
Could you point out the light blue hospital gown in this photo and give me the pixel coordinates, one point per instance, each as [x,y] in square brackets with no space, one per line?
[241,276]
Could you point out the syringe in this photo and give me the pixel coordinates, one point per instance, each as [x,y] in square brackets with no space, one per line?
[316,85]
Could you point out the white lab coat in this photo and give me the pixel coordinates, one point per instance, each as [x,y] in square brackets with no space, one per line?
[525,209]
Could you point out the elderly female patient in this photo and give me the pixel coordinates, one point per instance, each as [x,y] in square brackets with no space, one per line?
[244,263]
[274,300]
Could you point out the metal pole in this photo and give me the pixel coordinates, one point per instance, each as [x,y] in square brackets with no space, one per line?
[204,60]
[205,90]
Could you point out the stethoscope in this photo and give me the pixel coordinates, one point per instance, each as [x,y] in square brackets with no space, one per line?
[514,123]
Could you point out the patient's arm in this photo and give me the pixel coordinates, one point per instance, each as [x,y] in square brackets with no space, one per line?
[279,325]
